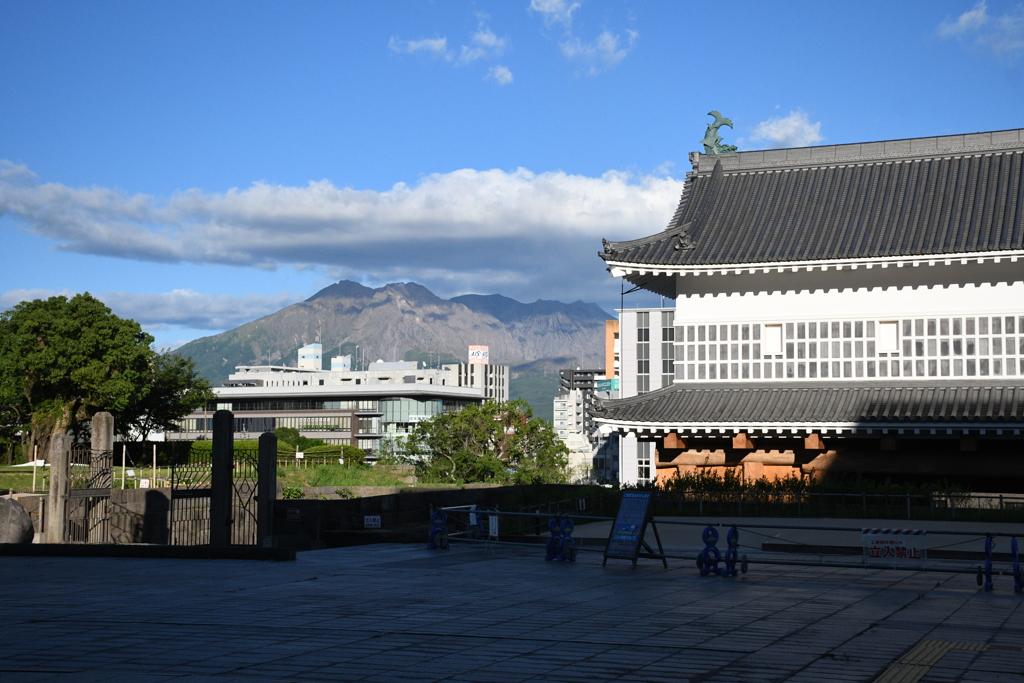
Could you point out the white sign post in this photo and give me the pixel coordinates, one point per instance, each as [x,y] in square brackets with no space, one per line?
[894,545]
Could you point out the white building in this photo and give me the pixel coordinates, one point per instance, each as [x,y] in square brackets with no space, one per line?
[840,308]
[371,409]
[593,456]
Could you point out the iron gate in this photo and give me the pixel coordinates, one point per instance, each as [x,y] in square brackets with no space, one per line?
[90,476]
[191,490]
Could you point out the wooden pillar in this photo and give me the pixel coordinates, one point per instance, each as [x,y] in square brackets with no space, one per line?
[222,487]
[57,505]
[266,490]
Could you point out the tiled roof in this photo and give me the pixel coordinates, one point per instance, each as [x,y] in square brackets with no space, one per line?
[865,404]
[935,202]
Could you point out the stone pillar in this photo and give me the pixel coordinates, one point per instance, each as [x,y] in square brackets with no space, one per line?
[57,503]
[101,469]
[266,490]
[222,486]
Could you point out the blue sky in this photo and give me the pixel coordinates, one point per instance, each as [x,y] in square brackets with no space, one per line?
[197,165]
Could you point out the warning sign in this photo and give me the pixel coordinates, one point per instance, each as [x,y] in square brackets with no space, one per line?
[894,545]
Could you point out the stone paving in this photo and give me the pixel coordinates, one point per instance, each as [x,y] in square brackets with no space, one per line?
[476,613]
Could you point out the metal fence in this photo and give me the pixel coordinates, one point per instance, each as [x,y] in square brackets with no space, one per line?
[951,506]
[90,475]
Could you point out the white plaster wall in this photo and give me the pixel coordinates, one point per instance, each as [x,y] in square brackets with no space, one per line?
[879,303]
[627,459]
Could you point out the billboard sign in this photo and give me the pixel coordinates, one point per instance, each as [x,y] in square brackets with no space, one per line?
[606,384]
[479,355]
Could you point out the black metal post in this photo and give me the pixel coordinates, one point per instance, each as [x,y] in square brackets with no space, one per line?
[221,477]
[266,490]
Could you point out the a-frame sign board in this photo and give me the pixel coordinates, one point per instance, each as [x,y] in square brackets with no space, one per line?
[627,534]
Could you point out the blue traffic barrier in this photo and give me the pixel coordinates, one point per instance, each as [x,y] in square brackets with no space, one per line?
[568,553]
[554,544]
[707,561]
[438,536]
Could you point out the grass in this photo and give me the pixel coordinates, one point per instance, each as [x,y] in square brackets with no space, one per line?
[335,475]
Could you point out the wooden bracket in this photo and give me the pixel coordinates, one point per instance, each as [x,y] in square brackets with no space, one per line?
[742,442]
[814,442]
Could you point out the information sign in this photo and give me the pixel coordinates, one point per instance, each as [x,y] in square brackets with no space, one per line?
[300,454]
[371,521]
[143,483]
[627,533]
[894,545]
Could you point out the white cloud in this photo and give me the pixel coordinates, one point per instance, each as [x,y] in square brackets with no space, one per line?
[603,53]
[500,74]
[540,231]
[178,308]
[1002,35]
[555,11]
[438,47]
[795,130]
[967,22]
[484,44]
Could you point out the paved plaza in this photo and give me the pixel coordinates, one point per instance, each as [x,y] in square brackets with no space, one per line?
[477,613]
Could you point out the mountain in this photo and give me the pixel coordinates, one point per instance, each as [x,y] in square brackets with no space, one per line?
[406,321]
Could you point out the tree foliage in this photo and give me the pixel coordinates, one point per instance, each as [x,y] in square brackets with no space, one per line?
[62,360]
[172,389]
[499,442]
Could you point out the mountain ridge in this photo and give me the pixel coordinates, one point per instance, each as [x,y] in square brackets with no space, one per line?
[405,320]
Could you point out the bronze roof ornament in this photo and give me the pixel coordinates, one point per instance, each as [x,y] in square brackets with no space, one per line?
[712,140]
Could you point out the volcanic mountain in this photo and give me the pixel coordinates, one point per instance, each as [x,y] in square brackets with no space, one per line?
[406,321]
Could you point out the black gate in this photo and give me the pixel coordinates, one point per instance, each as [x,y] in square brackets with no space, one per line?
[191,490]
[189,518]
[90,476]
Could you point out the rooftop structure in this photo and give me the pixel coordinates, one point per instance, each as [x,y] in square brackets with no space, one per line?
[829,300]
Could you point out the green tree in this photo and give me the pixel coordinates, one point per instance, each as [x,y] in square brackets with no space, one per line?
[291,436]
[172,390]
[493,442]
[65,359]
[62,360]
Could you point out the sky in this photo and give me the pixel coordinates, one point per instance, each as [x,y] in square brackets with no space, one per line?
[198,165]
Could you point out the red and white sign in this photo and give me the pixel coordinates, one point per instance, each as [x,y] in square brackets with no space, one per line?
[894,545]
[479,355]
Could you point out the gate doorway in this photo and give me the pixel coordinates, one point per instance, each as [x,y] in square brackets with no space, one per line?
[222,495]
[90,476]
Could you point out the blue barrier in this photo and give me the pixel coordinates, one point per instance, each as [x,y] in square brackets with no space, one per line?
[560,547]
[708,559]
[438,537]
[705,562]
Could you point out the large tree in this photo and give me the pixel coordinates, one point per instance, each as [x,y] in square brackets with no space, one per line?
[492,442]
[173,389]
[64,359]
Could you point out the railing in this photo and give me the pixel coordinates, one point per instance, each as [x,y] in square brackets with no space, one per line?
[953,506]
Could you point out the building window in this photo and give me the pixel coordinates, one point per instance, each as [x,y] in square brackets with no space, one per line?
[643,352]
[772,339]
[643,461]
[668,348]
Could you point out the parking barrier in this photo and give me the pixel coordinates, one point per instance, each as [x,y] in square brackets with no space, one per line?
[438,537]
[708,560]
